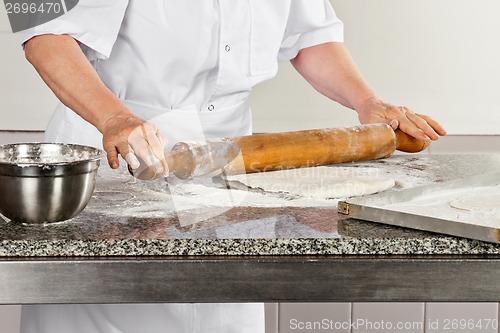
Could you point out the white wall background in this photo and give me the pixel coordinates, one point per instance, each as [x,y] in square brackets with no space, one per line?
[439,57]
[25,102]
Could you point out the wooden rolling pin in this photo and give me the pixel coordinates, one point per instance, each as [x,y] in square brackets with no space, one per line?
[278,151]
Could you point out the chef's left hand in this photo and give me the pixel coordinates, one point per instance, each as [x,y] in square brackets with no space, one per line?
[419,126]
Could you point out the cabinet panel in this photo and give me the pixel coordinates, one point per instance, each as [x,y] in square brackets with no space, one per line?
[314,317]
[461,317]
[10,316]
[388,317]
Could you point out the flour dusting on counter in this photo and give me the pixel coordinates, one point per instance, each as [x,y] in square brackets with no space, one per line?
[479,205]
[158,198]
[127,217]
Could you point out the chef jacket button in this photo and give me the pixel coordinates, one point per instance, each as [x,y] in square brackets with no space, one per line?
[227,48]
[211,107]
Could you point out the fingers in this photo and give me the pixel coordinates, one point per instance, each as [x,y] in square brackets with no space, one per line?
[156,143]
[416,126]
[148,145]
[112,155]
[163,141]
[122,148]
[132,161]
[434,124]
[139,143]
[419,126]
[394,124]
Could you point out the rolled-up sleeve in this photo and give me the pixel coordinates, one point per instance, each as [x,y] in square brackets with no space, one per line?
[94,23]
[311,22]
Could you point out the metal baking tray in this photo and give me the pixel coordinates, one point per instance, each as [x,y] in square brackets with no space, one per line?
[434,207]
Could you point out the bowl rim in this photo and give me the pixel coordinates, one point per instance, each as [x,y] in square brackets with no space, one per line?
[99,154]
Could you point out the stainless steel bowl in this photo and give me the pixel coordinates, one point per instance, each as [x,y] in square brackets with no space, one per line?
[46,182]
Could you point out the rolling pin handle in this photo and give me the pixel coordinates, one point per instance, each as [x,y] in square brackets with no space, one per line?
[408,144]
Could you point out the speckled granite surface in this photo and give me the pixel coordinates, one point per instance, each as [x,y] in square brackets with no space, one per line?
[131,218]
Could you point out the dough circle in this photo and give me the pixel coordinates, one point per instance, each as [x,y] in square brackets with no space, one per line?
[478,203]
[319,182]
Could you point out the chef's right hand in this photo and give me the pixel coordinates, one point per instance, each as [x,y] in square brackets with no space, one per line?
[134,139]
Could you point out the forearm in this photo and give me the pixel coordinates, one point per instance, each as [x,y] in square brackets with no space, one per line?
[330,69]
[65,69]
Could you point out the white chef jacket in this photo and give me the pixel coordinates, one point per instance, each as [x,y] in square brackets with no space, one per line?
[188,66]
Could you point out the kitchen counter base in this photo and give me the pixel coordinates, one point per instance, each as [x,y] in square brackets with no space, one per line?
[396,278]
[124,249]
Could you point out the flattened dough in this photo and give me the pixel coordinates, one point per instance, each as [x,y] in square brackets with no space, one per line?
[319,182]
[478,203]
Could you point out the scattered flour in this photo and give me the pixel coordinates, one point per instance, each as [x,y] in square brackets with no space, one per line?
[158,198]
[479,205]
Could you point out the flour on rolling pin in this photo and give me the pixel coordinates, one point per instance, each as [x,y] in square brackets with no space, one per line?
[319,182]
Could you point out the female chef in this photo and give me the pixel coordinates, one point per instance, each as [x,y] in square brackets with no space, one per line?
[134,77]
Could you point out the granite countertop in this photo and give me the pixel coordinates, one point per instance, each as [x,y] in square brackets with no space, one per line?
[126,217]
